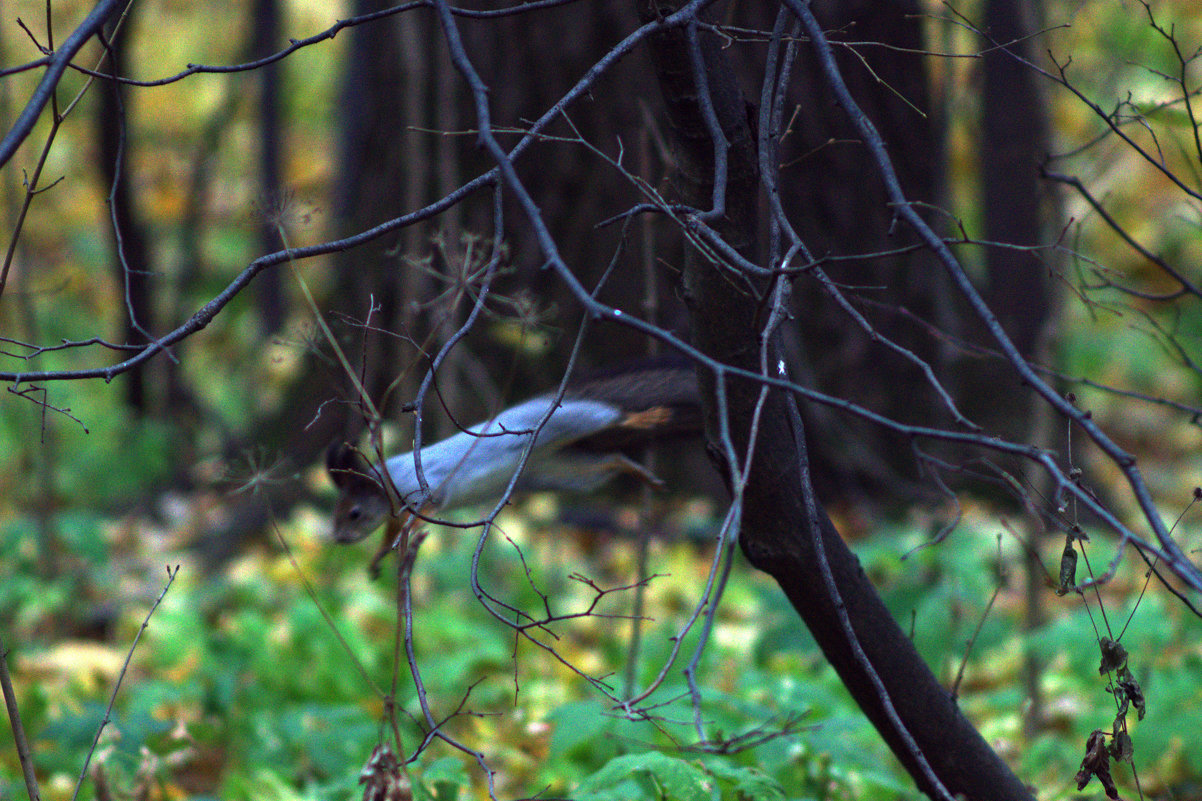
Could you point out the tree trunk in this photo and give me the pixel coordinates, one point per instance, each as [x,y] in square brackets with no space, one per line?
[840,211]
[784,532]
[1014,143]
[132,268]
[269,285]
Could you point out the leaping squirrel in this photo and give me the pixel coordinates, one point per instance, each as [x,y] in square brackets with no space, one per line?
[580,443]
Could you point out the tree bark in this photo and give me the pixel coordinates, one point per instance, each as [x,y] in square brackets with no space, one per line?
[784,532]
[269,286]
[132,268]
[1014,142]
[839,211]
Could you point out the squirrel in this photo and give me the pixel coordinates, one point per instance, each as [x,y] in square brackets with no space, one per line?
[576,444]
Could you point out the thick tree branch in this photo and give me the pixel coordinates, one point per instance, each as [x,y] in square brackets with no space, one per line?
[59,61]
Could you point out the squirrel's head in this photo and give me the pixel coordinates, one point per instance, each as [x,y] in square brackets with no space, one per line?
[362,502]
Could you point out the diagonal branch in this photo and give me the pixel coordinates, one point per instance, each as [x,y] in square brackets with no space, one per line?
[92,24]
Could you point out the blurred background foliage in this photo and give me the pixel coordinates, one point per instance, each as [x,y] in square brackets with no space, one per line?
[240,687]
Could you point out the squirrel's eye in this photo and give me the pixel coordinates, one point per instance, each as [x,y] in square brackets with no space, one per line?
[355,513]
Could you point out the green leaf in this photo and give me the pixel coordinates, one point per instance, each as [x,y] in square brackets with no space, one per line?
[579,726]
[748,784]
[674,779]
[444,779]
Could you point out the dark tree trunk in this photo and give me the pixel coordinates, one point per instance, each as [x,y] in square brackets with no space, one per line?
[373,177]
[530,63]
[132,266]
[840,209]
[1014,143]
[784,532]
[269,285]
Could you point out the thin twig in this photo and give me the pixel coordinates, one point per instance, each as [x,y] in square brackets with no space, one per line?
[172,572]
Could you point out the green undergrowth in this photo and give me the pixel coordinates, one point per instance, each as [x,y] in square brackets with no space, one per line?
[246,686]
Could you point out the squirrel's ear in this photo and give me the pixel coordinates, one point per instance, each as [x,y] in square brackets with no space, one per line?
[345,466]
